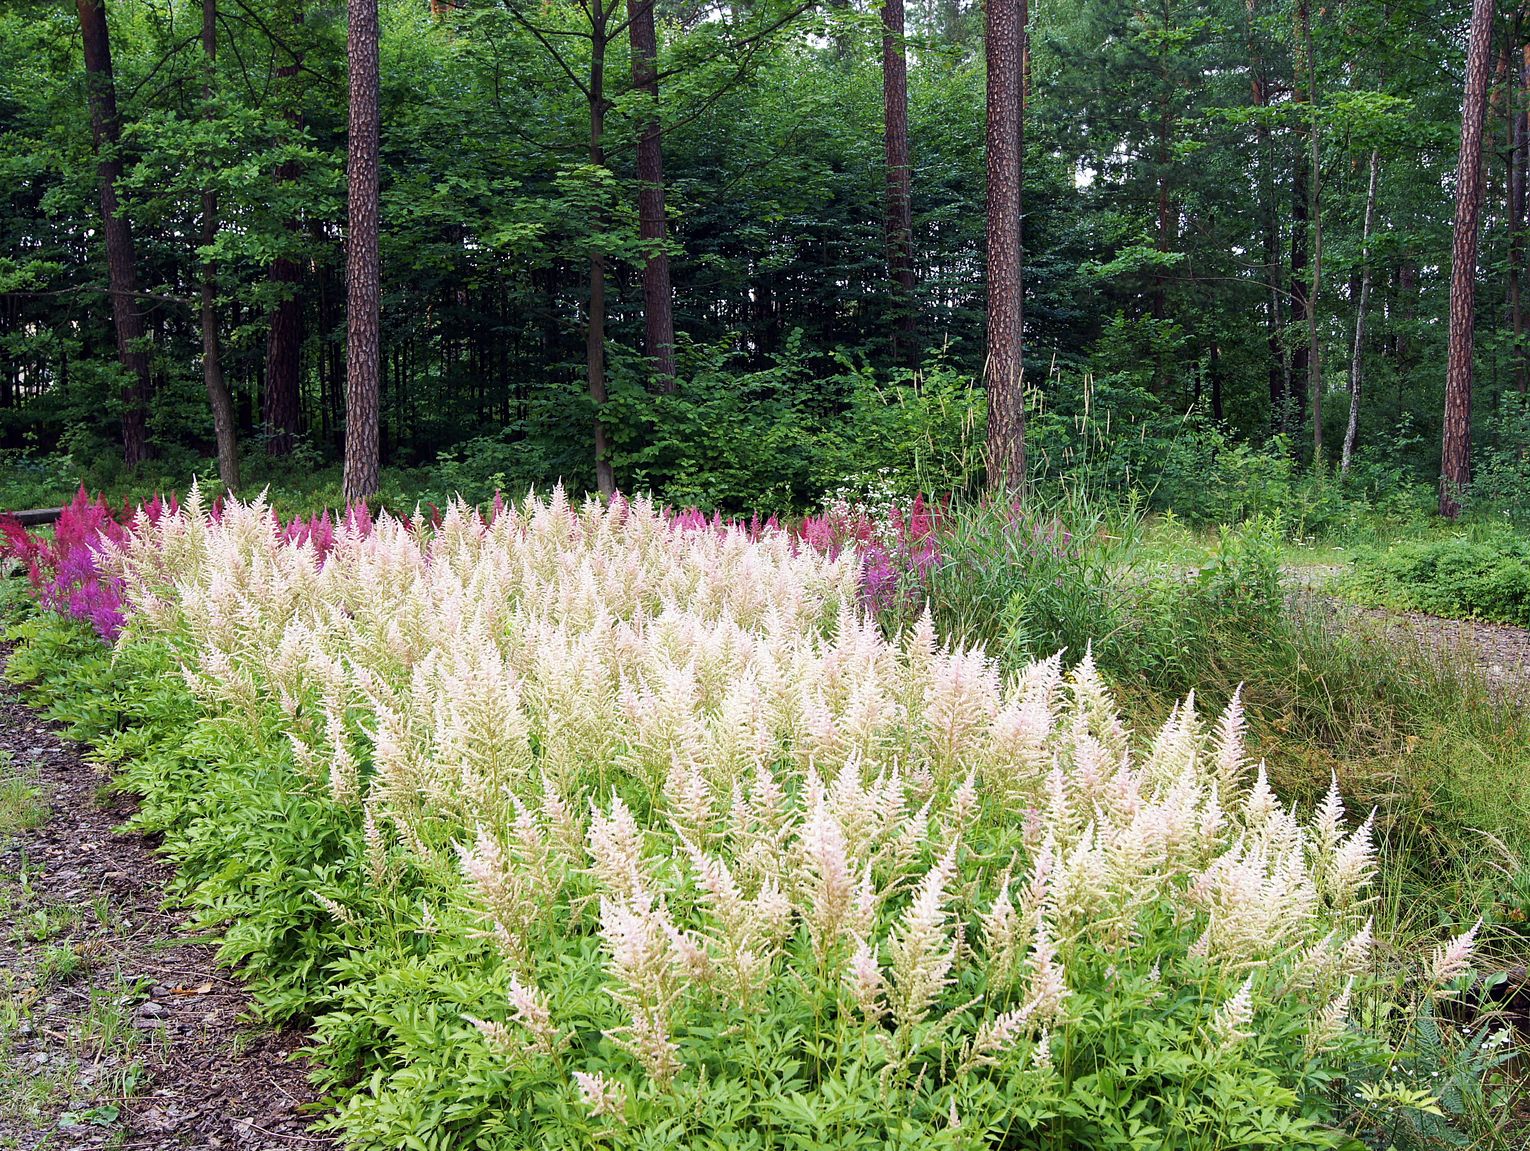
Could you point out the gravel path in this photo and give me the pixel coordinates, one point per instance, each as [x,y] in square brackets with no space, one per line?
[116,1030]
[1500,651]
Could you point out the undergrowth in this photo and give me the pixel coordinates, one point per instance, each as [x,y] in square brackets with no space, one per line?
[1461,579]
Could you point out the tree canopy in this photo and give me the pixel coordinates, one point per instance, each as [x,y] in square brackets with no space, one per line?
[1196,175]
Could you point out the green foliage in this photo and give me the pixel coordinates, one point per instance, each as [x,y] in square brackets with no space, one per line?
[777,439]
[1457,578]
[1449,1073]
[1501,474]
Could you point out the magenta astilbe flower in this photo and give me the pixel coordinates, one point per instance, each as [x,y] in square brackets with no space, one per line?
[898,548]
[318,531]
[65,570]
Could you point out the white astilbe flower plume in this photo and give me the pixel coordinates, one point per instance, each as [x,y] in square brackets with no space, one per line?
[606,1098]
[827,879]
[1355,955]
[1227,746]
[1353,864]
[920,948]
[646,968]
[996,1036]
[1453,959]
[864,981]
[532,1012]
[1001,931]
[1231,1022]
[1331,1021]
[615,843]
[1328,820]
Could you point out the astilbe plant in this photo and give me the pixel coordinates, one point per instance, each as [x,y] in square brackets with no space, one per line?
[898,545]
[64,565]
[740,858]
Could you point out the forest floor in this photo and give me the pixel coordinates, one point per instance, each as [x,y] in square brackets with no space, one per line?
[117,1028]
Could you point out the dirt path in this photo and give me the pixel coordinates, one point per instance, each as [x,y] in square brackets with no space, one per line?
[1500,651]
[116,1030]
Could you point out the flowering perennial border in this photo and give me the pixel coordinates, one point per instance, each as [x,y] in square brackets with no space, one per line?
[698,808]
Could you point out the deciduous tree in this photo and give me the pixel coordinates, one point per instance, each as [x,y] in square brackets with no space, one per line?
[121,266]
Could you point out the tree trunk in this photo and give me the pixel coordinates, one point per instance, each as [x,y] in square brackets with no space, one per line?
[900,218]
[1299,358]
[1519,110]
[658,297]
[218,397]
[280,408]
[1315,214]
[1005,20]
[1165,224]
[363,286]
[595,329]
[1218,410]
[1356,358]
[122,276]
[1455,455]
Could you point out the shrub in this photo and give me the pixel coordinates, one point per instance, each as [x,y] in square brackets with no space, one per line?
[1456,578]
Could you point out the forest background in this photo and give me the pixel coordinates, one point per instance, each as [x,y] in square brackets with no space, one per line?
[1236,221]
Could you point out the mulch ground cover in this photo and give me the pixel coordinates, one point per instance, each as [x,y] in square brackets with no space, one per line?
[117,1029]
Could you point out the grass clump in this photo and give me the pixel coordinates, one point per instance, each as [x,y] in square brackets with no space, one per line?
[22,804]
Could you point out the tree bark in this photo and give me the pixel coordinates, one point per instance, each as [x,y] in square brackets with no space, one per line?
[900,217]
[218,397]
[595,329]
[363,286]
[658,296]
[1356,360]
[280,407]
[1005,20]
[1455,454]
[121,270]
[1315,214]
[1519,107]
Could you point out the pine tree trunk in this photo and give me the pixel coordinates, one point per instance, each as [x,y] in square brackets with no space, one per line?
[1315,215]
[280,408]
[1006,407]
[595,329]
[1356,358]
[1455,454]
[1519,110]
[121,271]
[900,218]
[363,286]
[218,397]
[658,296]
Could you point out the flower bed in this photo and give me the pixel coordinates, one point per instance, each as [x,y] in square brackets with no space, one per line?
[579,823]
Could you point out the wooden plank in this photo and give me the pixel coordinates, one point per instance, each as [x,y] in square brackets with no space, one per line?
[35,517]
